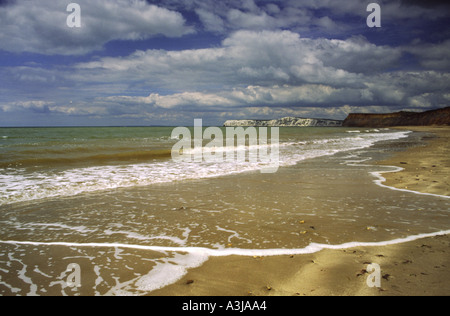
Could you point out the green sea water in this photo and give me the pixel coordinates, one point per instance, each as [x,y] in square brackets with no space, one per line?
[112,201]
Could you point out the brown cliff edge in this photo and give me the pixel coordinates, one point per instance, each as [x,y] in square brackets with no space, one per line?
[428,118]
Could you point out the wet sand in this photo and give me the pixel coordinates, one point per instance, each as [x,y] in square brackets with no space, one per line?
[426,168]
[416,268]
[420,267]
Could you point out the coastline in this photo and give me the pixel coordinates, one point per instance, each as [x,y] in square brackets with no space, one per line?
[426,168]
[418,267]
[413,268]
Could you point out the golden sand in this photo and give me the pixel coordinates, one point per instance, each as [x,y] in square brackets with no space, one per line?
[416,268]
[426,168]
[421,267]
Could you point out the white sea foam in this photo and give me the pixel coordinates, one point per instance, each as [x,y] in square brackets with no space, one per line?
[380,182]
[169,270]
[57,226]
[18,185]
[234,234]
[133,235]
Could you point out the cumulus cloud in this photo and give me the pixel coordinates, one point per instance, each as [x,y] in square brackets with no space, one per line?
[431,55]
[35,106]
[309,17]
[40,26]
[211,21]
[254,69]
[268,59]
[396,93]
[253,58]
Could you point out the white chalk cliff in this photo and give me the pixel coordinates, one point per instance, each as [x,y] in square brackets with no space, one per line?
[286,121]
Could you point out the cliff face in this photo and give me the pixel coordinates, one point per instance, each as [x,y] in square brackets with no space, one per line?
[434,117]
[286,121]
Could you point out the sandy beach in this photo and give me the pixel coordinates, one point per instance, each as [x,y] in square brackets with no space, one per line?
[420,267]
[426,168]
[312,228]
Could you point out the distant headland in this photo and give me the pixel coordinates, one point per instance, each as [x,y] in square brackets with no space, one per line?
[286,121]
[403,118]
[428,118]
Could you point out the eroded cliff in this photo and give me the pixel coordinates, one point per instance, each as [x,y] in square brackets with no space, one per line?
[433,117]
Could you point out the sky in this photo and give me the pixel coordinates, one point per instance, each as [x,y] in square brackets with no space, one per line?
[145,62]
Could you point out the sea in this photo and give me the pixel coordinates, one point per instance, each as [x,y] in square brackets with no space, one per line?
[108,211]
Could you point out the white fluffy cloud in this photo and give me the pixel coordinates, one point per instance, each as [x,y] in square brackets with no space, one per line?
[40,26]
[305,16]
[278,69]
[36,106]
[251,96]
[314,95]
[252,58]
[283,57]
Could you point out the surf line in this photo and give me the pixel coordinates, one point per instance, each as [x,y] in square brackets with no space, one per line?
[381,180]
[311,248]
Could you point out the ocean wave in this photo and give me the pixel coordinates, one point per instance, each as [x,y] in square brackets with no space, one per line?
[132,156]
[19,185]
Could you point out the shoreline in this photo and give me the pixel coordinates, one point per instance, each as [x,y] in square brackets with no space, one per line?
[425,168]
[411,254]
[418,267]
[411,268]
